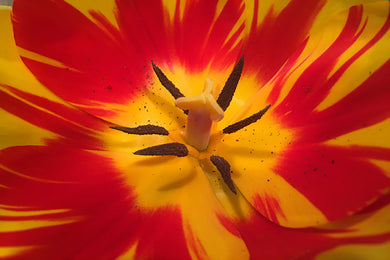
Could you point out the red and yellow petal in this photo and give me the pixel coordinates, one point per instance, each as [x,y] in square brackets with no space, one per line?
[274,31]
[102,64]
[265,239]
[180,182]
[94,214]
[352,237]
[78,202]
[104,194]
[312,154]
[46,204]
[30,113]
[156,207]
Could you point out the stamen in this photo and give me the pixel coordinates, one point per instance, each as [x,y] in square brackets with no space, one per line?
[175,92]
[224,168]
[227,93]
[245,122]
[143,130]
[176,149]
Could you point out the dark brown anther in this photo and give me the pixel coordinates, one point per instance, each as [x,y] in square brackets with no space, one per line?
[175,92]
[245,122]
[142,130]
[168,85]
[176,149]
[224,168]
[227,93]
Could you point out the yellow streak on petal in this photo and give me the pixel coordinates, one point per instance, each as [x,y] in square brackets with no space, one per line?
[106,7]
[170,7]
[375,135]
[361,225]
[41,58]
[373,18]
[375,223]
[236,27]
[296,210]
[13,207]
[13,72]
[12,226]
[370,61]
[29,177]
[264,7]
[6,32]
[14,251]
[15,213]
[15,131]
[330,8]
[323,36]
[129,254]
[357,252]
[333,7]
[385,166]
[317,44]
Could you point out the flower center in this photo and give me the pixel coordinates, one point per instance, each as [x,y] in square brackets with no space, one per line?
[202,111]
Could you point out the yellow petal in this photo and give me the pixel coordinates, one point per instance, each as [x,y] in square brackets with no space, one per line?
[366,41]
[163,182]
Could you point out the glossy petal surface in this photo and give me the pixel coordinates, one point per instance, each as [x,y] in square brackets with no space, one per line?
[322,142]
[102,65]
[319,154]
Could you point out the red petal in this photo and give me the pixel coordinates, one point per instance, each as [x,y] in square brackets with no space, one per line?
[270,44]
[322,172]
[69,132]
[87,185]
[337,180]
[267,240]
[102,64]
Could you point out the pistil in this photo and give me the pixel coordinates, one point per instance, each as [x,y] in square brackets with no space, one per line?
[203,111]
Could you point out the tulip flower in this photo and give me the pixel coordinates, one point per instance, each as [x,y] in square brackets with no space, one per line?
[201,129]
